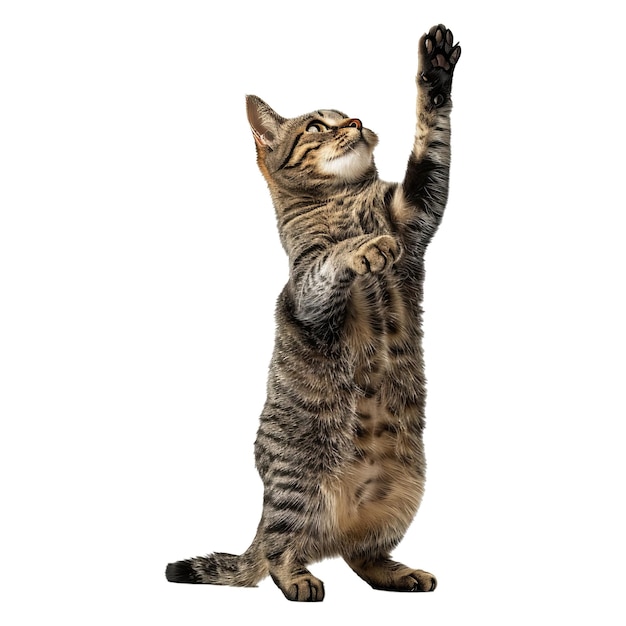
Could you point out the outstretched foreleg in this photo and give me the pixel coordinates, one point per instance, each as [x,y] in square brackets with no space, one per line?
[425,186]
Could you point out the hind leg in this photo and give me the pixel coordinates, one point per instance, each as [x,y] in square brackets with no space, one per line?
[387,575]
[298,584]
[293,578]
[289,536]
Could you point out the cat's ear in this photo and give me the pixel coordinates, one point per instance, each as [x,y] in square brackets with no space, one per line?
[264,122]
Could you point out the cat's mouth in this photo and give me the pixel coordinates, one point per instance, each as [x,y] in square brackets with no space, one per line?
[347,144]
[350,161]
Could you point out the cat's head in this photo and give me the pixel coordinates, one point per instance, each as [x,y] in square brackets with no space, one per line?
[321,150]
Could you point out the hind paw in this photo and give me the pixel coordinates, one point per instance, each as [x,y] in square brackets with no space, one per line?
[305,588]
[422,581]
[417,580]
[388,575]
[438,56]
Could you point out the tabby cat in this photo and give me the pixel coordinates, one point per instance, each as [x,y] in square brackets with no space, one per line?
[339,445]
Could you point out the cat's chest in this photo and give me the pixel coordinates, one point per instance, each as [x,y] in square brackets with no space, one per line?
[377,320]
[355,215]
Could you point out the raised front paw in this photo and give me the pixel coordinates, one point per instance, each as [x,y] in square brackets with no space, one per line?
[438,56]
[375,255]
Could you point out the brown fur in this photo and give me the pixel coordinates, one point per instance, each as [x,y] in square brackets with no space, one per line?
[339,446]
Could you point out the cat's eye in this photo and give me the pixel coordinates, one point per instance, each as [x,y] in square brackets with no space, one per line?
[316,127]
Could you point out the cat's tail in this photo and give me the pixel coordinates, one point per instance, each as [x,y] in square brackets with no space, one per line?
[219,568]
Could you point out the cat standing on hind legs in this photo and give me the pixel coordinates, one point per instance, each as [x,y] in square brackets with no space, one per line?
[339,445]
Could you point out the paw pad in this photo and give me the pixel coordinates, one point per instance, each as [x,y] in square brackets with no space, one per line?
[439,44]
[438,57]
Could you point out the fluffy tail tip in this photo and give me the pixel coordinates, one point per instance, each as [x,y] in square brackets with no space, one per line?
[181,572]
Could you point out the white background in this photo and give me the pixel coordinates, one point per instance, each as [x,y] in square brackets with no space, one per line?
[139,265]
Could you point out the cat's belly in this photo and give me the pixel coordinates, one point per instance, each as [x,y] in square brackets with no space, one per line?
[380,489]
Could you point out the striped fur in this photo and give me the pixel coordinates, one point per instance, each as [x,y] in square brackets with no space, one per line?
[339,445]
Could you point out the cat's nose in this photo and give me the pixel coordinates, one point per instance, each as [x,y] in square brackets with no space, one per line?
[352,123]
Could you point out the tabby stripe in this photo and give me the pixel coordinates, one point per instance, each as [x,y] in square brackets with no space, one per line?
[316,247]
[272,437]
[393,326]
[286,504]
[365,221]
[294,485]
[283,526]
[314,407]
[270,457]
[377,325]
[385,295]
[288,472]
[300,211]
[275,558]
[372,298]
[388,197]
[435,144]
[399,350]
[293,147]
[280,526]
[419,175]
[299,161]
[385,427]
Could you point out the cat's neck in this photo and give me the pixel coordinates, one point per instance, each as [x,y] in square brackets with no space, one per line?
[304,219]
[285,200]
